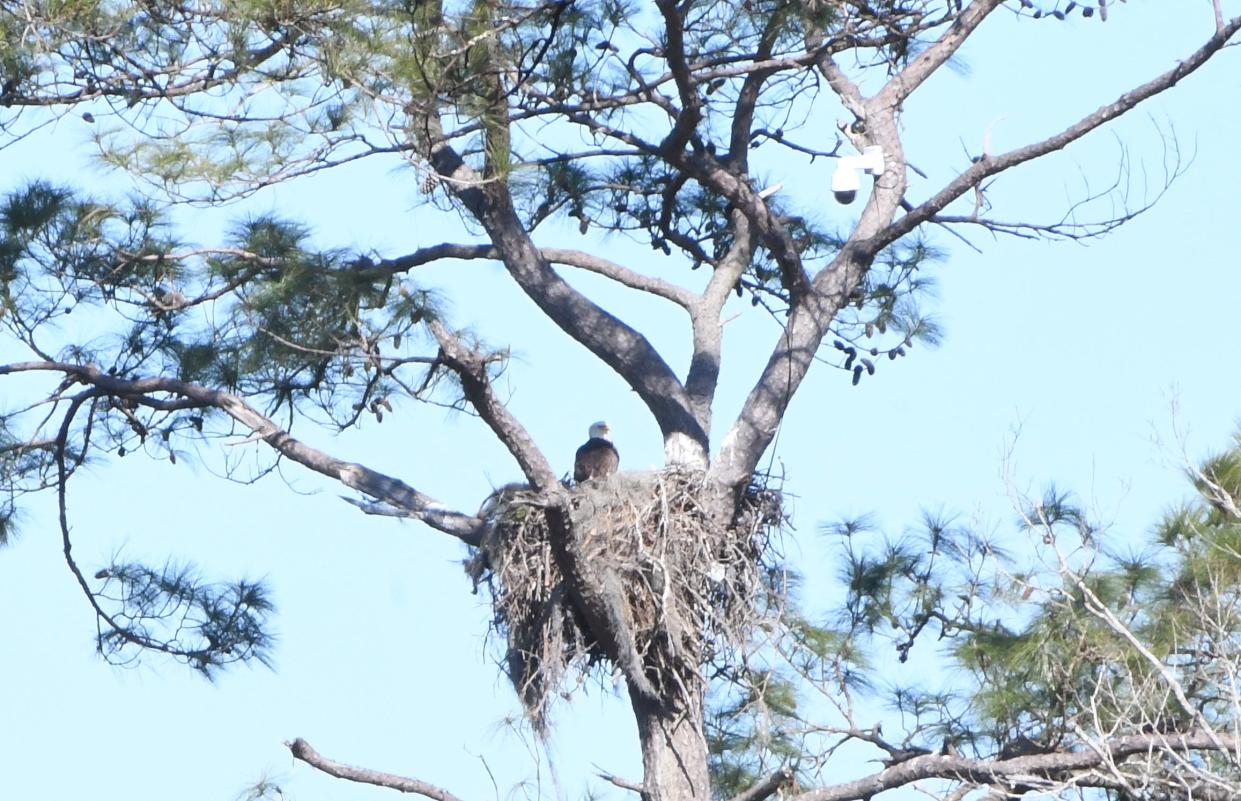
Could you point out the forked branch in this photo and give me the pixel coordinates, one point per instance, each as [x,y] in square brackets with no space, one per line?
[617,344]
[811,314]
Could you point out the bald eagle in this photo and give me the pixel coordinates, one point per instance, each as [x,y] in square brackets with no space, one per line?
[598,457]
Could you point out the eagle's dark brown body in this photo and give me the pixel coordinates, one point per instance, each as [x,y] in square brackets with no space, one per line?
[598,457]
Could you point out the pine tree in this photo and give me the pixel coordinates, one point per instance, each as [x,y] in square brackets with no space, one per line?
[647,120]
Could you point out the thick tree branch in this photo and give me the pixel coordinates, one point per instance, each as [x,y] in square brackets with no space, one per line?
[991,165]
[704,369]
[742,126]
[471,367]
[845,89]
[302,750]
[355,476]
[770,230]
[703,375]
[810,316]
[1052,766]
[618,345]
[691,104]
[790,360]
[932,58]
[812,312]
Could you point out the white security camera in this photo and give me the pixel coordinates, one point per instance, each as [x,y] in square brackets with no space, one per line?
[846,181]
[845,184]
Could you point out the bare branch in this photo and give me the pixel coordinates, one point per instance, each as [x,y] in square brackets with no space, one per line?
[691,104]
[932,58]
[1001,772]
[806,325]
[302,750]
[991,165]
[570,258]
[704,369]
[810,315]
[1102,612]
[359,477]
[848,92]
[62,506]
[624,784]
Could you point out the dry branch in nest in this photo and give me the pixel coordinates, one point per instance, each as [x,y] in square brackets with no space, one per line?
[684,584]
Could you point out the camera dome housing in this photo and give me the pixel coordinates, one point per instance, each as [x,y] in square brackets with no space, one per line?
[846,181]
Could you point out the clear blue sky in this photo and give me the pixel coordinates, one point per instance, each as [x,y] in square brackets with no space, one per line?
[383,658]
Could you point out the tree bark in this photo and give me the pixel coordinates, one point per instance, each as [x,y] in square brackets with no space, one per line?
[617,345]
[674,752]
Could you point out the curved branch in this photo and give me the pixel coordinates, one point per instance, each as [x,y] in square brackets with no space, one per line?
[991,165]
[62,509]
[302,750]
[570,258]
[369,482]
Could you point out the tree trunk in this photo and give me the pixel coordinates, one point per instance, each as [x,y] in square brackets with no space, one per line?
[682,450]
[674,752]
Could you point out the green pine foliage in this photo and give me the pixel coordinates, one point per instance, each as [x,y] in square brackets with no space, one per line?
[1055,635]
[265,316]
[173,610]
[1058,633]
[252,92]
[1050,638]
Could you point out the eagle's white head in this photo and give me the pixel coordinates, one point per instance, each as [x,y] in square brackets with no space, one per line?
[600,430]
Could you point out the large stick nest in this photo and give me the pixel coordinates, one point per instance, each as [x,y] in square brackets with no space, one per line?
[687,586]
